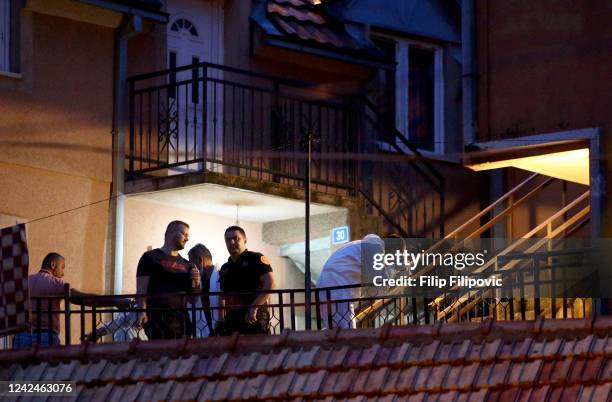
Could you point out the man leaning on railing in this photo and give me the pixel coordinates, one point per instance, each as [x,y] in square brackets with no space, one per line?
[48,283]
[343,268]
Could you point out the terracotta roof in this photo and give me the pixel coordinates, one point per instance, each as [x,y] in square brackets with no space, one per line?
[541,360]
[308,22]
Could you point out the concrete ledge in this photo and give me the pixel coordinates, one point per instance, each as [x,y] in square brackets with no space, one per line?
[359,221]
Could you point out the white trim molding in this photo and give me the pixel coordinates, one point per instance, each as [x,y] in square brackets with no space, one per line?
[402,101]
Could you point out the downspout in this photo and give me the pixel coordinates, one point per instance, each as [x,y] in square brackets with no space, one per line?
[597,185]
[468,45]
[603,304]
[130,26]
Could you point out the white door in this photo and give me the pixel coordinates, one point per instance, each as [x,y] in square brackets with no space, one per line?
[195,35]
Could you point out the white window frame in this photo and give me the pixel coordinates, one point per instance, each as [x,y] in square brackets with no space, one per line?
[402,100]
[5,35]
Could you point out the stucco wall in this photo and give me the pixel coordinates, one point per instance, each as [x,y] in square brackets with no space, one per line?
[61,219]
[543,66]
[145,223]
[55,143]
[63,123]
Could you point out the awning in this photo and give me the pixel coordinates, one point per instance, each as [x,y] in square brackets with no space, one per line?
[150,9]
[569,165]
[566,159]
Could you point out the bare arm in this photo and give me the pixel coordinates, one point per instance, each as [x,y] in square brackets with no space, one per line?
[142,284]
[221,307]
[89,299]
[267,283]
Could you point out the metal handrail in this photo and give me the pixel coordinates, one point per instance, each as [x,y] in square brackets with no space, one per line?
[550,235]
[490,208]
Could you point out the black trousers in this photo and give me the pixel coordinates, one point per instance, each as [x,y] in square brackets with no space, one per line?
[234,322]
[168,324]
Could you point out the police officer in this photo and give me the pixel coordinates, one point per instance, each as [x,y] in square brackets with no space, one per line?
[244,271]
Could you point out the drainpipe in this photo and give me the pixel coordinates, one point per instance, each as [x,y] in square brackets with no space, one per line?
[130,27]
[598,185]
[603,304]
[468,46]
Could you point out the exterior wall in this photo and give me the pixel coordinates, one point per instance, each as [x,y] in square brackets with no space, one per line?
[145,223]
[147,51]
[459,204]
[55,143]
[543,68]
[545,204]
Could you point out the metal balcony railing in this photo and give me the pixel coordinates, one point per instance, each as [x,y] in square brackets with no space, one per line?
[331,307]
[218,118]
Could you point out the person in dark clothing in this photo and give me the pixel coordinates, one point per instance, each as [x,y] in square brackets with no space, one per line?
[164,271]
[244,271]
[207,311]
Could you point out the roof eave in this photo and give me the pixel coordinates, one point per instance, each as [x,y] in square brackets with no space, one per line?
[326,53]
[154,15]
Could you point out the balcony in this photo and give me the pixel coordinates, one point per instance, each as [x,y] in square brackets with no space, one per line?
[213,118]
[542,284]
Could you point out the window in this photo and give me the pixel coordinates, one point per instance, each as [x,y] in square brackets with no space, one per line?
[5,35]
[421,95]
[10,18]
[182,24]
[418,92]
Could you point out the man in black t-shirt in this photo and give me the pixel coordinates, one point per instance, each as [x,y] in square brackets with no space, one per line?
[244,271]
[163,270]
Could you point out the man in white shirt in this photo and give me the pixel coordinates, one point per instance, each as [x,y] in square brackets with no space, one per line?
[344,268]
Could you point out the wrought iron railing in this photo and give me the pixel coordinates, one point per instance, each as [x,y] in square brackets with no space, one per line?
[211,117]
[331,308]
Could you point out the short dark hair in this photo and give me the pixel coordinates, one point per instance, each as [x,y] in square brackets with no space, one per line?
[50,258]
[235,227]
[200,250]
[173,225]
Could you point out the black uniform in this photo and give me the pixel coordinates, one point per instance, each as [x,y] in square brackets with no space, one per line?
[243,275]
[168,318]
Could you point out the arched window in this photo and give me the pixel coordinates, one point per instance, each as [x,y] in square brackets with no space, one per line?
[183,24]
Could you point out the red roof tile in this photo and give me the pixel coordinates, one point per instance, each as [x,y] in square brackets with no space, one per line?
[315,27]
[308,22]
[482,380]
[602,392]
[526,361]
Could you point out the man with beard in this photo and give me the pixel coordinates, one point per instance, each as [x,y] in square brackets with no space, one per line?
[245,271]
[164,271]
